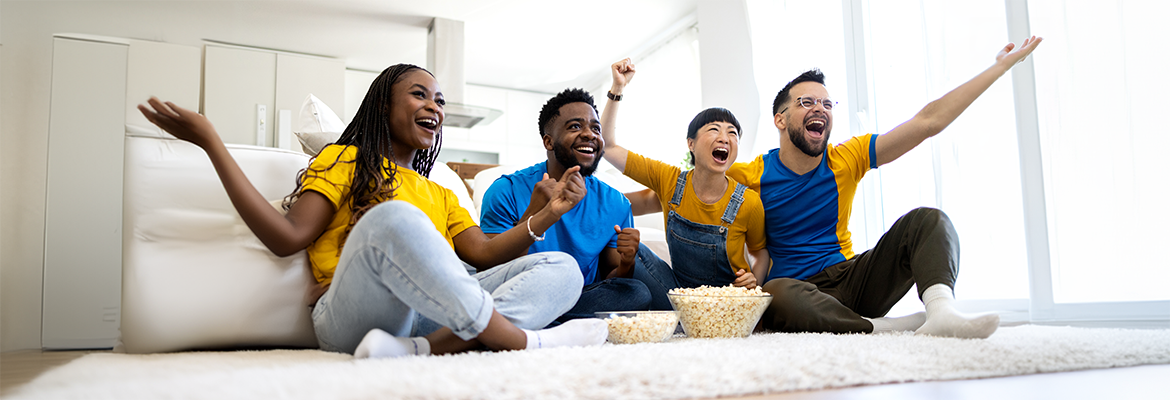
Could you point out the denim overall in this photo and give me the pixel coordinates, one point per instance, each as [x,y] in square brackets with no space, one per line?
[698,252]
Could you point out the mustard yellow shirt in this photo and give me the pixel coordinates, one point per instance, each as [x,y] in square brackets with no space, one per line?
[748,226]
[333,181]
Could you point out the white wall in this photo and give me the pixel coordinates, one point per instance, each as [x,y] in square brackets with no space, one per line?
[26,30]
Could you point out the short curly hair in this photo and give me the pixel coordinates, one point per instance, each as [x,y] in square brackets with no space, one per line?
[552,108]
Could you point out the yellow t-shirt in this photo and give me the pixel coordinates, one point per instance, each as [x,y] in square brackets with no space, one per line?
[748,226]
[333,181]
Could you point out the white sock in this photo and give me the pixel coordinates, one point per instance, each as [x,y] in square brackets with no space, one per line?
[898,324]
[943,320]
[379,344]
[577,332]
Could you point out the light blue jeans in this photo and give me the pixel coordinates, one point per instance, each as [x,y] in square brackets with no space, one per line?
[398,274]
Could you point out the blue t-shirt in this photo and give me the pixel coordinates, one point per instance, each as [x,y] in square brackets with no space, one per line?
[583,232]
[806,217]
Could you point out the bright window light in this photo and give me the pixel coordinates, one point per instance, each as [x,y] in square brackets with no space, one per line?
[1101,92]
[918,51]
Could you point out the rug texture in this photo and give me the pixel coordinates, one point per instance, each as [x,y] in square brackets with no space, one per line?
[678,368]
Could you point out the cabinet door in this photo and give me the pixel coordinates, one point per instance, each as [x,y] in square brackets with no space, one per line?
[236,83]
[83,199]
[297,77]
[168,71]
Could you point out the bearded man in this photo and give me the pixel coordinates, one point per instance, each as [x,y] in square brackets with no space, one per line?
[620,273]
[807,186]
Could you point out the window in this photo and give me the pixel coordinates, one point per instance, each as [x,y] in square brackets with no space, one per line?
[1100,87]
[919,51]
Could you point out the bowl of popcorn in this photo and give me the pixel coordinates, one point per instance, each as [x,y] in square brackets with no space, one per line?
[639,326]
[719,312]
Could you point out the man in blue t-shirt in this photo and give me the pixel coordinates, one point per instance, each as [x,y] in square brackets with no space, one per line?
[620,273]
[807,186]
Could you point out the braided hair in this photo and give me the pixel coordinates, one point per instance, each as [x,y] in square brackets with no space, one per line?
[373,178]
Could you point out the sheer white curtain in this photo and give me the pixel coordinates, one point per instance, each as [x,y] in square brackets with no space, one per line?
[1101,87]
[919,50]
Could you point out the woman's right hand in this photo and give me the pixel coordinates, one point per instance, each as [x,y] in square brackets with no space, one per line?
[183,123]
[622,72]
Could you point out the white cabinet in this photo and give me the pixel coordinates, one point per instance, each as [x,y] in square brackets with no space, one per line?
[95,84]
[238,82]
[254,95]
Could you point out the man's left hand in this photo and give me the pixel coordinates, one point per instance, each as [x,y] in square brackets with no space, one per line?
[1012,55]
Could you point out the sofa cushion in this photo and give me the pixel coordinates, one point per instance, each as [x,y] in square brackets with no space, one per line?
[194,276]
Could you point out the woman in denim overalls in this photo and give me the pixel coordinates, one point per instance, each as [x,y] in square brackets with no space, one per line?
[711,220]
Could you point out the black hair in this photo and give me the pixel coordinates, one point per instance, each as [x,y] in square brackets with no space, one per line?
[713,114]
[373,180]
[812,75]
[552,108]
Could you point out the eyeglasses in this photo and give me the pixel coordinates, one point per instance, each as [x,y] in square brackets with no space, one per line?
[810,102]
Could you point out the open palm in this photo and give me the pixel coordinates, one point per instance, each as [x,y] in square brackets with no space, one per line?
[1012,55]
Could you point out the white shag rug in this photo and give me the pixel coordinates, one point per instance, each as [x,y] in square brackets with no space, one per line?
[678,368]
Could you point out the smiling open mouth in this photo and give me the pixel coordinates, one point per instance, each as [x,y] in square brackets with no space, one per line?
[816,127]
[585,150]
[720,154]
[429,123]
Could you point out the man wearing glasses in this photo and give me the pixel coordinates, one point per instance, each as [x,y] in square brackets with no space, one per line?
[807,186]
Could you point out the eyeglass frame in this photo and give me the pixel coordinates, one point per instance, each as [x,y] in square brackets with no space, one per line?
[815,100]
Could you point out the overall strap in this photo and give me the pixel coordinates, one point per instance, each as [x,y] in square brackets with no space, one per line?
[679,188]
[733,205]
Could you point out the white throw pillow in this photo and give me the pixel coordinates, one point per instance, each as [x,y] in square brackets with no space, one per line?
[317,126]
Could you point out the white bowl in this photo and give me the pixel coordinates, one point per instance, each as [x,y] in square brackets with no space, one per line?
[639,326]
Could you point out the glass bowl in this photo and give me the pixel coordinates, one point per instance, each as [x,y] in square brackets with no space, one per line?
[627,327]
[719,316]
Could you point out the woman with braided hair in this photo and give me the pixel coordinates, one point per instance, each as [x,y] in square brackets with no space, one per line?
[389,247]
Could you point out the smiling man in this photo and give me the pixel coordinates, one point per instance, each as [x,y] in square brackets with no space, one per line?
[807,186]
[598,231]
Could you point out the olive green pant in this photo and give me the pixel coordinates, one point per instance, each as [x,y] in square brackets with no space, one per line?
[921,248]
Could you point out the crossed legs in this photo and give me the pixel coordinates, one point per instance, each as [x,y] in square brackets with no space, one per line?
[853,296]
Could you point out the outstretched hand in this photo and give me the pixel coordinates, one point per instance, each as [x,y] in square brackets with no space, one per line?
[181,122]
[1010,57]
[622,72]
[567,192]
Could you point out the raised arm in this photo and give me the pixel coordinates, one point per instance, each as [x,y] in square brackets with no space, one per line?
[933,118]
[622,72]
[486,251]
[282,234]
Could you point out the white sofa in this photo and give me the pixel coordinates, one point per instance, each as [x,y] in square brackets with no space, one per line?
[195,277]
